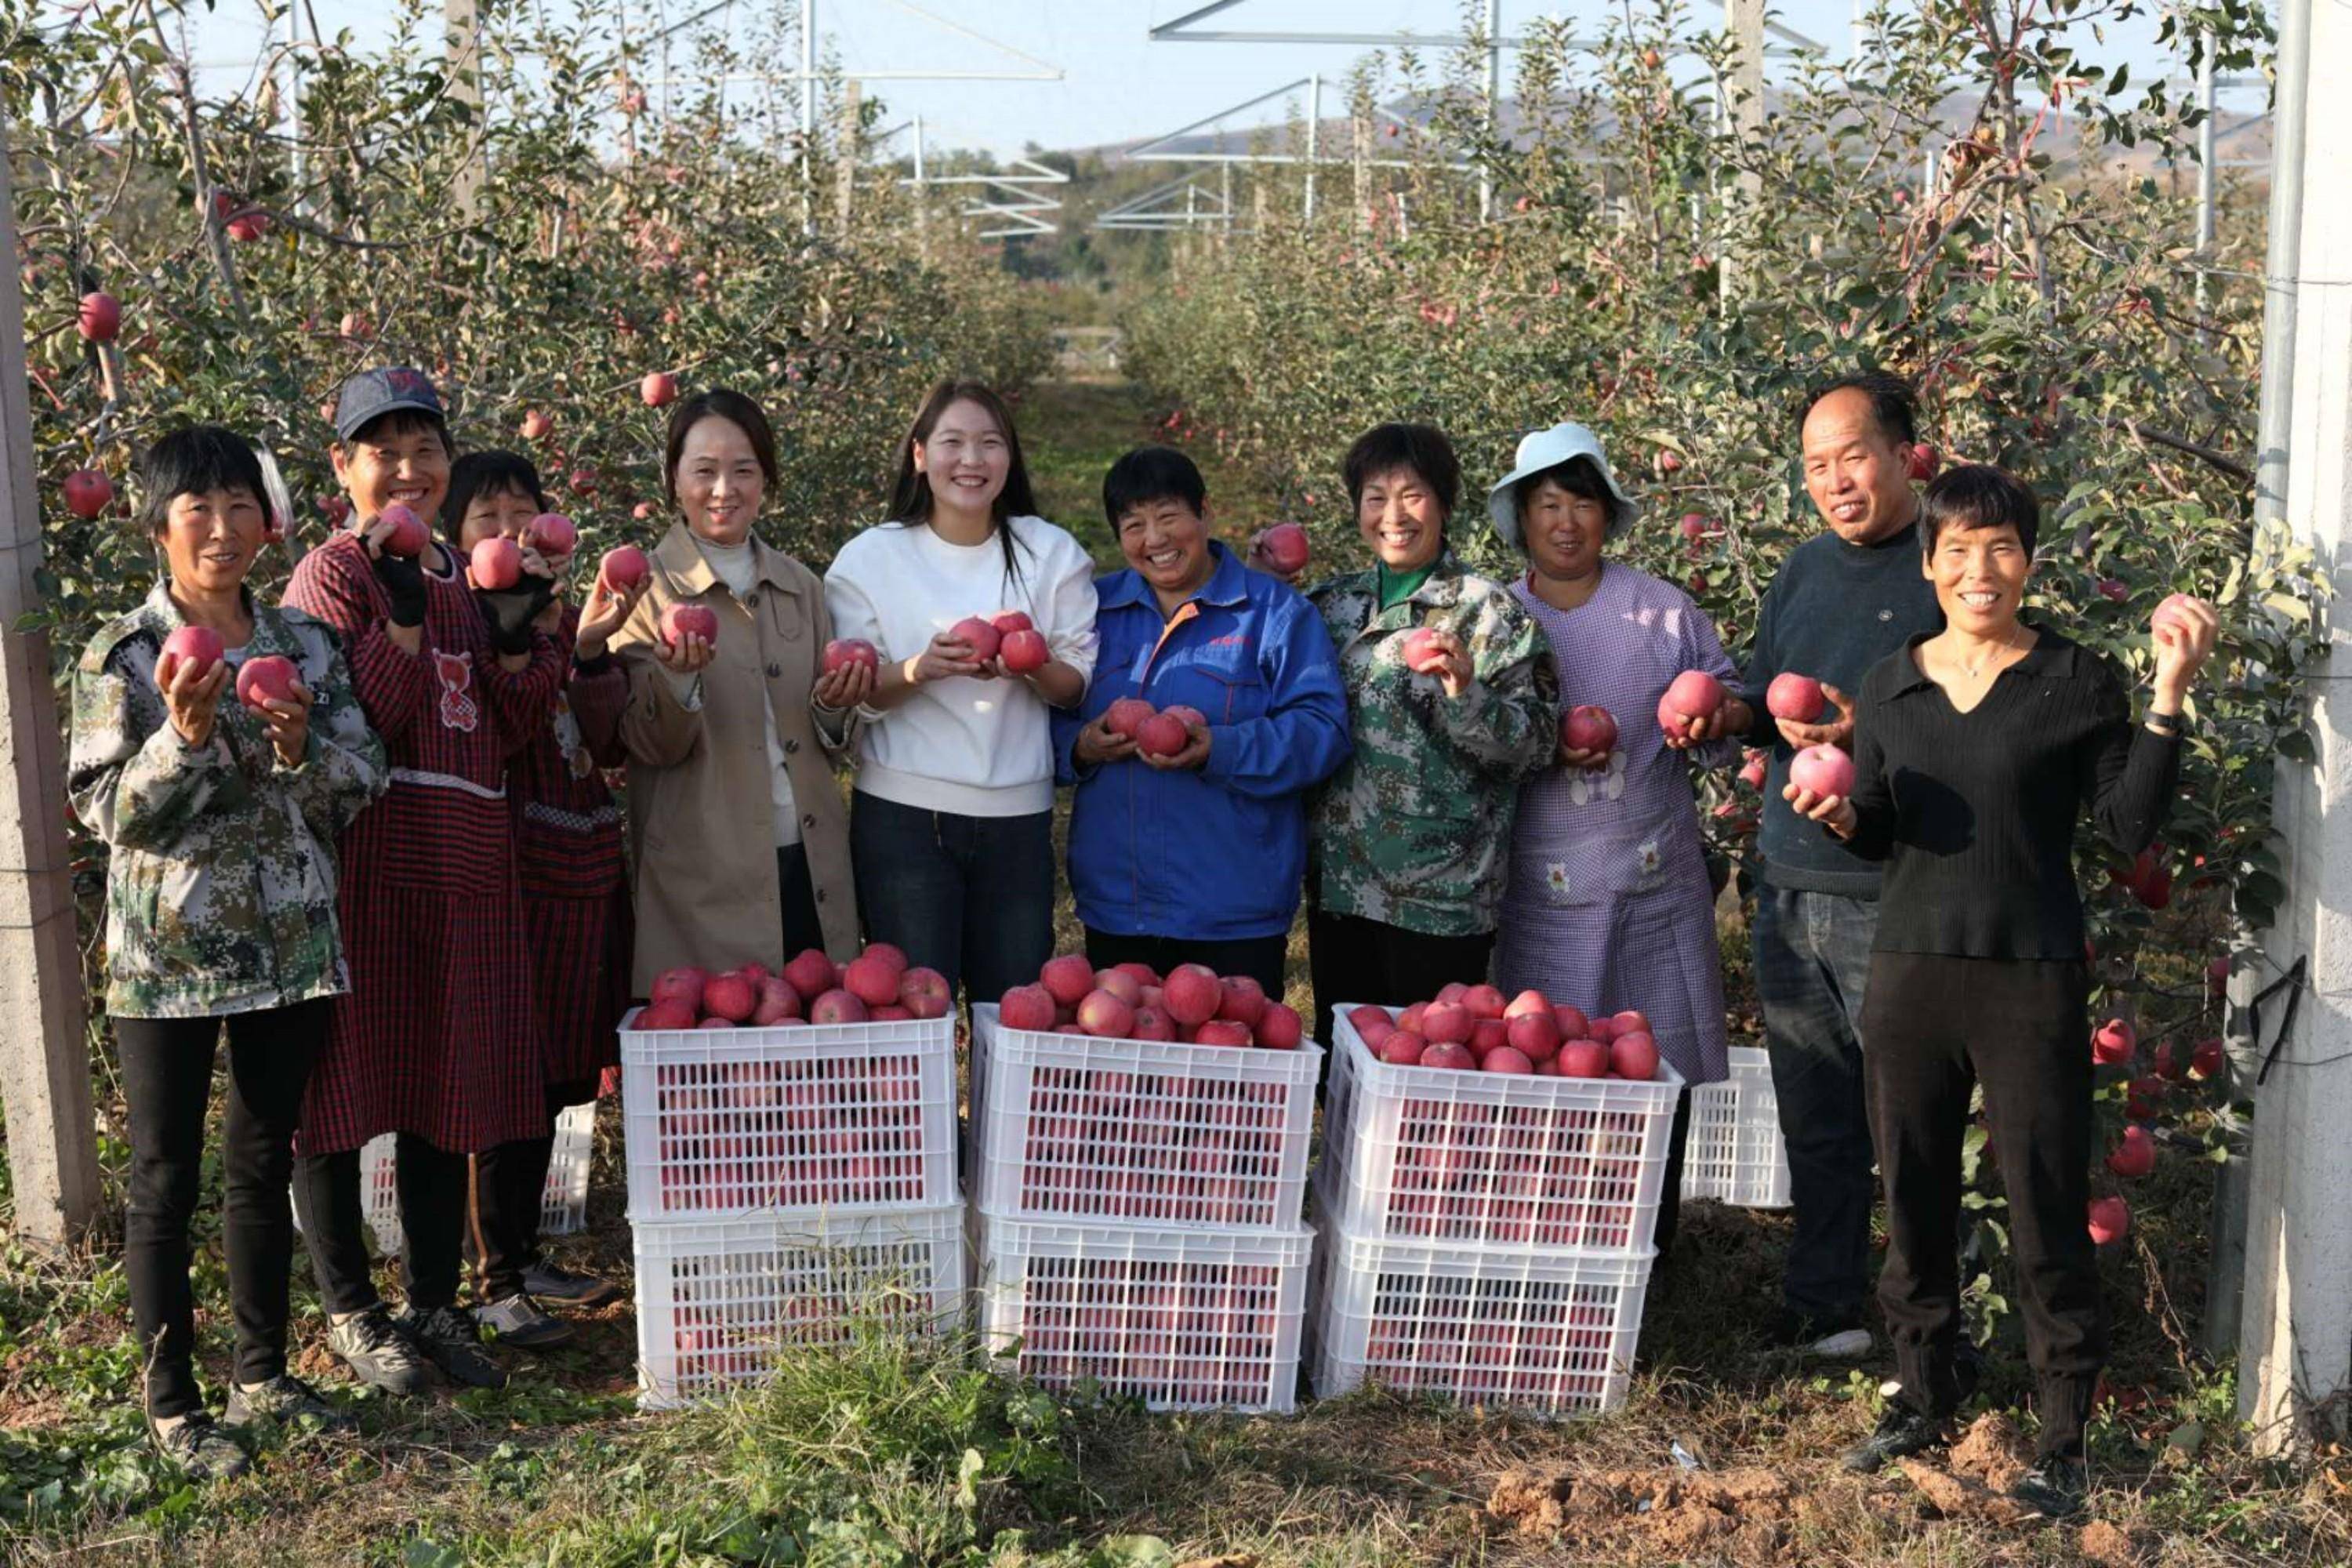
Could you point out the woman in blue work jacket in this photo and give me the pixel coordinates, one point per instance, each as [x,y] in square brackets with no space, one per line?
[1194,856]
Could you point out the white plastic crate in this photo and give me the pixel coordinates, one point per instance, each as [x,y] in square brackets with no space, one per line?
[1439,1154]
[840,1117]
[1552,1332]
[1735,1153]
[721,1302]
[1181,1318]
[562,1203]
[1145,1132]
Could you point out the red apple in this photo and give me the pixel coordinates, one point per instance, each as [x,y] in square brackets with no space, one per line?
[1824,769]
[685,620]
[838,1006]
[1635,1055]
[1488,1035]
[1796,698]
[1533,1035]
[978,634]
[666,1016]
[1025,651]
[658,389]
[841,652]
[2206,1060]
[1453,991]
[1280,1028]
[1162,735]
[2143,1097]
[890,1013]
[1145,975]
[731,997]
[87,492]
[1287,547]
[1583,1058]
[1484,1002]
[1242,1000]
[1921,462]
[778,1002]
[1011,621]
[924,992]
[870,979]
[2110,1220]
[1106,1016]
[2112,589]
[2136,1155]
[1411,1017]
[247,227]
[536,426]
[1447,1023]
[1401,1047]
[197,646]
[1631,1020]
[1448,1053]
[811,972]
[1528,1001]
[407,536]
[1122,985]
[551,533]
[1694,694]
[623,568]
[99,320]
[1589,729]
[1127,716]
[1153,1024]
[1421,652]
[1026,1007]
[496,563]
[890,952]
[2217,976]
[1504,1059]
[1222,1032]
[2114,1041]
[1601,1030]
[682,986]
[1067,978]
[1192,995]
[1571,1021]
[268,678]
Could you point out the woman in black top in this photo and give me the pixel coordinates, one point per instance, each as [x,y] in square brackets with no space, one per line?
[1976,750]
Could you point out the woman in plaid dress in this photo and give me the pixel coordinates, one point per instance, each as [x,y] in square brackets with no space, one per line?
[434,1043]
[575,904]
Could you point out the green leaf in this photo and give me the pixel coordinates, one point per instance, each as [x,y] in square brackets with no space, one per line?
[1131,1551]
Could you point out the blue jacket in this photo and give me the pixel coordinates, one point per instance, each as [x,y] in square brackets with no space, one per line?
[1217,854]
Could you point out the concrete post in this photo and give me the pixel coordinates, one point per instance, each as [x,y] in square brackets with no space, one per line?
[2295,1365]
[44,1029]
[463,30]
[1743,21]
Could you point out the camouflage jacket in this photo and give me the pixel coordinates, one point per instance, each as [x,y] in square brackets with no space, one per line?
[220,891]
[1414,830]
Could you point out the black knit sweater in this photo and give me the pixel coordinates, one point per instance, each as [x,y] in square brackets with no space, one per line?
[1974,813]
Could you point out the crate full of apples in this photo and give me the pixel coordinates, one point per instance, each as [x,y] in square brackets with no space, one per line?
[721,1302]
[1180,1319]
[814,1095]
[1109,1122]
[1551,1333]
[1439,1127]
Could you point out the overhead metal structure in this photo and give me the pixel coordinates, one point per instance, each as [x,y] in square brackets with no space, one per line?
[1184,202]
[1182,30]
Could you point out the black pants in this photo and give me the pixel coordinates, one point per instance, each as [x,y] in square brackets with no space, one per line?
[432,1184]
[1351,959]
[972,897]
[167,1082]
[1258,957]
[1670,1192]
[502,1199]
[797,893]
[1939,1026]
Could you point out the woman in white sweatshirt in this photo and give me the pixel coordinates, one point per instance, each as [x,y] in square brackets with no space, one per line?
[952,822]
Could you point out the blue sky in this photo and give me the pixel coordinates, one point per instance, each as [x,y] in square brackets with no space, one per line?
[1117,84]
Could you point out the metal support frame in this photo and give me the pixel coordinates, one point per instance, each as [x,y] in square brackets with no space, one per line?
[1181,30]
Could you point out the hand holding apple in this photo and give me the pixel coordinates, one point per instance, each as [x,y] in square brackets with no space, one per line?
[191,695]
[846,684]
[1838,731]
[1428,650]
[607,609]
[1734,717]
[947,654]
[1194,753]
[286,719]
[2183,631]
[1833,812]
[1098,743]
[688,652]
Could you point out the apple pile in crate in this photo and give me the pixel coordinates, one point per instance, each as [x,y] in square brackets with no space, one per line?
[1471,1027]
[877,986]
[1194,1005]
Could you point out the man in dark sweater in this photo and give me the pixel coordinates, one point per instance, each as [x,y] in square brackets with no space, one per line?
[1842,601]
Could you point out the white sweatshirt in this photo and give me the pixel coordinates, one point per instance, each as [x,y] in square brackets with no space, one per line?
[971,747]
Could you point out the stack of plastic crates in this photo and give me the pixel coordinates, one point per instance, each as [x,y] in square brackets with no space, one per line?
[1486,1236]
[787,1185]
[1139,1208]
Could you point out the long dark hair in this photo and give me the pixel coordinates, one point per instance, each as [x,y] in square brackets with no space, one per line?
[910,488]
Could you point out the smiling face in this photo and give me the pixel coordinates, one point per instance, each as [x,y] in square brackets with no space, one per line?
[1979,575]
[966,457]
[1401,519]
[719,482]
[1167,542]
[495,513]
[390,462]
[1855,469]
[1563,531]
[209,541]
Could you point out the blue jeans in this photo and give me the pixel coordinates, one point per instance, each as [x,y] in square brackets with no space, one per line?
[1812,953]
[972,897]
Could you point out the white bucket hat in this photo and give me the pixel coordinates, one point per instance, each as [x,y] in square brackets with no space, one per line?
[1542,450]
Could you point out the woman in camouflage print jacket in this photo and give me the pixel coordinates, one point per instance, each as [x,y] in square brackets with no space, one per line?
[1452,700]
[222,819]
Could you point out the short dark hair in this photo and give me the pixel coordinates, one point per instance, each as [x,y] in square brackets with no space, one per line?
[1150,474]
[1578,476]
[1421,448]
[196,459]
[1894,406]
[405,422]
[718,403]
[488,473]
[910,487]
[1978,495]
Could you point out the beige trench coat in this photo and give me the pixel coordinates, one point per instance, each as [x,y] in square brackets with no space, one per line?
[700,812]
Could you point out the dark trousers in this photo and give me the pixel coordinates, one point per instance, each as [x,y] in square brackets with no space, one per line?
[1670,1192]
[1258,957]
[1938,1027]
[1351,959]
[803,930]
[432,1185]
[167,1083]
[972,897]
[1812,953]
[502,1199]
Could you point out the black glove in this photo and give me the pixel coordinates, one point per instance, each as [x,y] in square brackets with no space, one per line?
[403,582]
[508,612]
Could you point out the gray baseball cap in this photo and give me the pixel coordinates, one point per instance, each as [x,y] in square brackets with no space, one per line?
[391,389]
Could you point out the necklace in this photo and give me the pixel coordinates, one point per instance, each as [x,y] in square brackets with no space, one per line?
[1976,671]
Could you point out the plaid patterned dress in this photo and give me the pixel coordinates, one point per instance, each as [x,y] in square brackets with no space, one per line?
[433,1038]
[569,835]
[1607,906]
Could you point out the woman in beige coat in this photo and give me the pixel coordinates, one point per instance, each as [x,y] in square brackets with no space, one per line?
[742,842]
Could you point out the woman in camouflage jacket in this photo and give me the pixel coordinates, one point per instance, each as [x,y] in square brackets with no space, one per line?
[221,816]
[1452,701]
